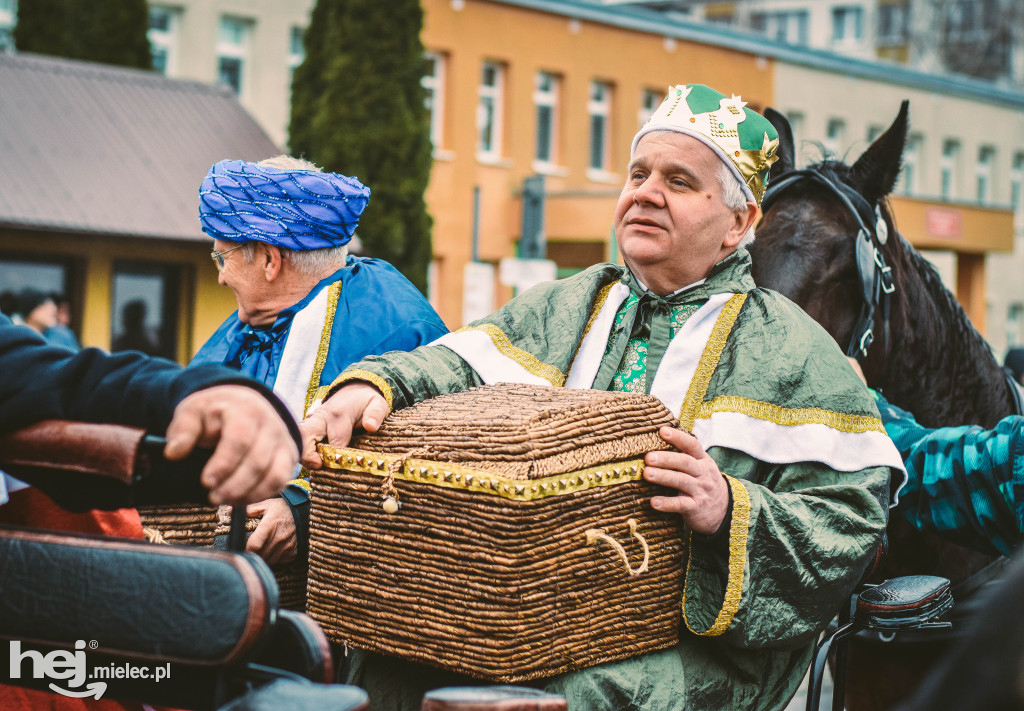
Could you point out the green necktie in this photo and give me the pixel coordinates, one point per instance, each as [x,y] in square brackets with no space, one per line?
[650,319]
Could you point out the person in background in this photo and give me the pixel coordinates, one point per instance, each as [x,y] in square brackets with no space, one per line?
[306,307]
[61,334]
[36,310]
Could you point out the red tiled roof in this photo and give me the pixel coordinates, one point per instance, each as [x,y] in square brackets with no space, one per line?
[98,149]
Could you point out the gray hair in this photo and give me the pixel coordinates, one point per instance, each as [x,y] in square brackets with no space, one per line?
[734,198]
[313,262]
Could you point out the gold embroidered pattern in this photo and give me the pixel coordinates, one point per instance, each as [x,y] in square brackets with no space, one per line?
[738,528]
[333,292]
[301,483]
[369,377]
[709,359]
[856,424]
[529,361]
[457,476]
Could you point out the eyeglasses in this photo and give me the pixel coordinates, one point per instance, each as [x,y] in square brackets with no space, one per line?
[218,257]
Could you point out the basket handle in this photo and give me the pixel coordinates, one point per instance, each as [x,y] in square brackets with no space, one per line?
[598,534]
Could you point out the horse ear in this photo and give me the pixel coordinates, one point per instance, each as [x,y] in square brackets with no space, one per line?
[786,161]
[876,171]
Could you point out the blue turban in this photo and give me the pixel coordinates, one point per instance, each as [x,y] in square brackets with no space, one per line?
[293,209]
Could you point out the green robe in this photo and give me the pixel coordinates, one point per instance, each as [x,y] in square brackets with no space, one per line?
[772,399]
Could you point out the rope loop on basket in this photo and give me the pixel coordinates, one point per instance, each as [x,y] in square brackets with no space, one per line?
[388,492]
[598,534]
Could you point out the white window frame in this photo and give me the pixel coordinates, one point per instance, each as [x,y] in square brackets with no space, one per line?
[911,162]
[842,16]
[1017,186]
[983,171]
[295,56]
[546,88]
[898,15]
[433,84]
[947,169]
[650,100]
[229,49]
[166,41]
[599,113]
[490,111]
[835,129]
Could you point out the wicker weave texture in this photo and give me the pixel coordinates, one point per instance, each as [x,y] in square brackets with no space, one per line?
[182,524]
[503,590]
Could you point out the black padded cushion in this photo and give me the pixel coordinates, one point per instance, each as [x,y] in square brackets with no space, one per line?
[904,602]
[298,696]
[164,603]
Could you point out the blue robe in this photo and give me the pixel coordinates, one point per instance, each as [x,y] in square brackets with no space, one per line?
[378,310]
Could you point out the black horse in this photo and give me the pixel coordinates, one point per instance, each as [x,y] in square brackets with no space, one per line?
[828,241]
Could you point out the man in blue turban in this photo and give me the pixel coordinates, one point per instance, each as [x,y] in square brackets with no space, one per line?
[306,308]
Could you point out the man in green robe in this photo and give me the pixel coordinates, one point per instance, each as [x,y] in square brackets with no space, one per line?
[784,484]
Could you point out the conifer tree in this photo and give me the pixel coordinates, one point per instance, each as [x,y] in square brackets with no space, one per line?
[358,109]
[106,31]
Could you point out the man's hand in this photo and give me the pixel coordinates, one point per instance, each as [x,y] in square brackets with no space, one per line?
[703,498]
[356,404]
[254,454]
[274,539]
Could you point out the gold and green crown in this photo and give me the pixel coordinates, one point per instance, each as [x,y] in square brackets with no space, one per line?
[742,138]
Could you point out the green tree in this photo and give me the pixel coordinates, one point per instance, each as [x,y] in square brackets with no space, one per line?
[358,109]
[106,31]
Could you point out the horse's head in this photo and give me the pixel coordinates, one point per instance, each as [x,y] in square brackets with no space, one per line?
[806,246]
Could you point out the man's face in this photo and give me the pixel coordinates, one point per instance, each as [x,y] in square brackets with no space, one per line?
[670,222]
[247,281]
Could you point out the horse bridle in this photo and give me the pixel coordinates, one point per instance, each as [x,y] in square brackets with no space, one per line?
[876,280]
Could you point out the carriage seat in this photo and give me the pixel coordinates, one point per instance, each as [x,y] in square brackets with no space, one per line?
[903,603]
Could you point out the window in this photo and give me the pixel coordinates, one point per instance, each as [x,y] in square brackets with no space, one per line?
[163,31]
[950,153]
[7,22]
[790,27]
[847,24]
[600,108]
[489,111]
[649,103]
[983,172]
[232,53]
[834,130]
[892,23]
[433,87]
[18,274]
[873,133]
[1017,186]
[545,98]
[144,312]
[1015,325]
[296,50]
[911,158]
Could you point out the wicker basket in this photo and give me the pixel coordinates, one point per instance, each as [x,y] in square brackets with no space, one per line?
[182,524]
[524,545]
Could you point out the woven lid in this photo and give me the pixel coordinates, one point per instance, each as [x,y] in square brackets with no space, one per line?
[524,431]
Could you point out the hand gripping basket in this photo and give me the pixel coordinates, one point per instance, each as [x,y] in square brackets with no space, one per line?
[523,545]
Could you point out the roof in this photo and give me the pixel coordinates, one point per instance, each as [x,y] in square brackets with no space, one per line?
[644,19]
[98,149]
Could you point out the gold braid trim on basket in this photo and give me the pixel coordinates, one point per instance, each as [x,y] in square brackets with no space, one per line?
[788,417]
[529,361]
[455,476]
[709,360]
[737,560]
[369,377]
